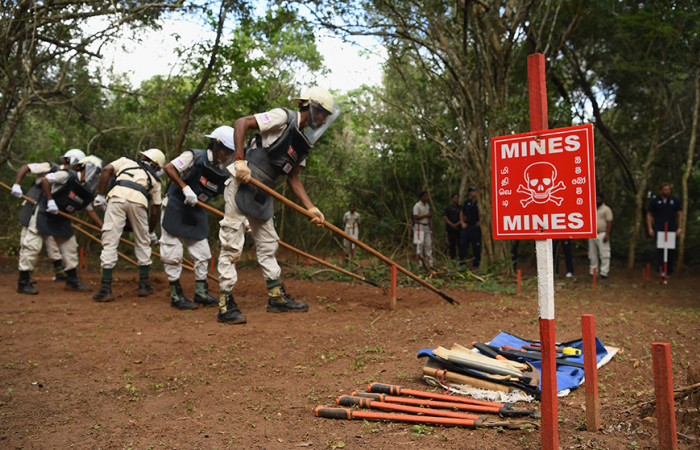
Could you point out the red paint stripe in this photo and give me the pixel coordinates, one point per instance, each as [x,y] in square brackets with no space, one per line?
[663,388]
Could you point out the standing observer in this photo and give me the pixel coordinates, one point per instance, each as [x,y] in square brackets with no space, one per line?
[197,176]
[471,229]
[665,213]
[280,149]
[453,225]
[599,247]
[351,220]
[423,230]
[137,185]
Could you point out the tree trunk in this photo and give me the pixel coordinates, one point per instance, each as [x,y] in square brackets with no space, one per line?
[641,189]
[8,131]
[686,174]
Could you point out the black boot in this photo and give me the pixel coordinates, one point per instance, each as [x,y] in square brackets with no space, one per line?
[60,272]
[105,293]
[279,302]
[24,285]
[201,295]
[229,312]
[73,282]
[31,280]
[178,299]
[145,289]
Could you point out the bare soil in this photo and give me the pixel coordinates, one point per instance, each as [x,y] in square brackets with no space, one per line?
[139,374]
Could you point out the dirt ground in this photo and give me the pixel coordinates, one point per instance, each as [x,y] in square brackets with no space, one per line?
[139,374]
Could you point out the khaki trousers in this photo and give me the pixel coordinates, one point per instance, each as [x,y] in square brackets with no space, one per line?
[423,239]
[597,249]
[232,236]
[118,210]
[30,246]
[349,246]
[49,243]
[171,254]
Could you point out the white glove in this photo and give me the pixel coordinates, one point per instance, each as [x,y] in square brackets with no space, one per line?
[51,207]
[100,202]
[242,171]
[17,190]
[319,219]
[190,197]
[154,238]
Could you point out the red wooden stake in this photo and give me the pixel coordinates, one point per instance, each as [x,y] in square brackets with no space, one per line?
[549,433]
[518,281]
[80,262]
[392,304]
[307,262]
[663,387]
[595,278]
[590,363]
[212,264]
[666,252]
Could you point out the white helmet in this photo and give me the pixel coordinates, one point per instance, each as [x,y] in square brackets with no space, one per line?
[72,156]
[93,169]
[92,159]
[223,135]
[155,155]
[316,95]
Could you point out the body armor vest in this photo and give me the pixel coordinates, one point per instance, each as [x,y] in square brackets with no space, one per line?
[69,198]
[207,181]
[268,163]
[34,193]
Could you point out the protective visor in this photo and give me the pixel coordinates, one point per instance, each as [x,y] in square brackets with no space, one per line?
[91,176]
[314,133]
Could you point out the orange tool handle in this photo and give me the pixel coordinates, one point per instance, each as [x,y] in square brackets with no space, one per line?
[432,403]
[348,400]
[342,413]
[389,389]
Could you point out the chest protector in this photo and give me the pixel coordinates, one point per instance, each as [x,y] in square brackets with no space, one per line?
[268,163]
[207,181]
[71,197]
[122,178]
[34,193]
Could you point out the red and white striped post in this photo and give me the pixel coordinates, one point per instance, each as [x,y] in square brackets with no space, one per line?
[392,300]
[518,281]
[590,364]
[663,388]
[549,435]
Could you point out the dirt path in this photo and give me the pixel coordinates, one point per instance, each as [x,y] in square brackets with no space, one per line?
[138,374]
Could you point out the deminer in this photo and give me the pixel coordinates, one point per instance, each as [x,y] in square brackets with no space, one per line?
[69,191]
[136,186]
[40,170]
[196,176]
[280,148]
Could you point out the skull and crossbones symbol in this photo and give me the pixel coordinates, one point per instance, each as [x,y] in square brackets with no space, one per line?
[539,184]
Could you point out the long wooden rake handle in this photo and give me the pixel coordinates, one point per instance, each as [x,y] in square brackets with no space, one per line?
[93,227]
[390,389]
[348,400]
[349,414]
[432,403]
[296,250]
[340,232]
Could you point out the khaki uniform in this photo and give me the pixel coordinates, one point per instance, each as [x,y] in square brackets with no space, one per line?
[597,249]
[171,246]
[125,203]
[39,170]
[31,242]
[352,227]
[422,234]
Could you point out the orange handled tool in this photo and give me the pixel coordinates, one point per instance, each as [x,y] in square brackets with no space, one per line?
[348,400]
[389,389]
[343,413]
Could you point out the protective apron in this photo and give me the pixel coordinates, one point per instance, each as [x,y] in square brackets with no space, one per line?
[71,197]
[34,193]
[207,182]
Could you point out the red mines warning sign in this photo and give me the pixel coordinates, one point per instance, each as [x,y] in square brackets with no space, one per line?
[544,184]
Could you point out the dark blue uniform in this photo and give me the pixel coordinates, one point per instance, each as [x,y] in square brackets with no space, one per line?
[471,234]
[665,211]
[453,236]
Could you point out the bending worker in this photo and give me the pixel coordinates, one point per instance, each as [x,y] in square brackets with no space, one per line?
[196,175]
[40,170]
[280,148]
[137,184]
[67,191]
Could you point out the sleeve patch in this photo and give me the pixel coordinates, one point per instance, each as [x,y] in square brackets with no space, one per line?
[265,118]
[34,166]
[51,176]
[179,162]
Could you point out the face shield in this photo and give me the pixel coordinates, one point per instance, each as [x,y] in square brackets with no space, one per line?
[91,175]
[223,156]
[313,131]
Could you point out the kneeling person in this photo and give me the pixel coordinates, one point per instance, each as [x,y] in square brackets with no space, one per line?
[196,175]
[137,184]
[67,191]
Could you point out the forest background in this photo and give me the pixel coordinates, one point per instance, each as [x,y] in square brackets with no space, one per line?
[454,76]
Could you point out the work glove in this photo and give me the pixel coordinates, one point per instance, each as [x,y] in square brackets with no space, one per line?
[100,202]
[17,190]
[242,171]
[190,196]
[51,207]
[319,219]
[154,238]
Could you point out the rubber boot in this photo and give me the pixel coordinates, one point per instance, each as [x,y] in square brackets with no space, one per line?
[228,310]
[280,302]
[105,292]
[24,285]
[145,289]
[178,299]
[60,272]
[201,294]
[73,282]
